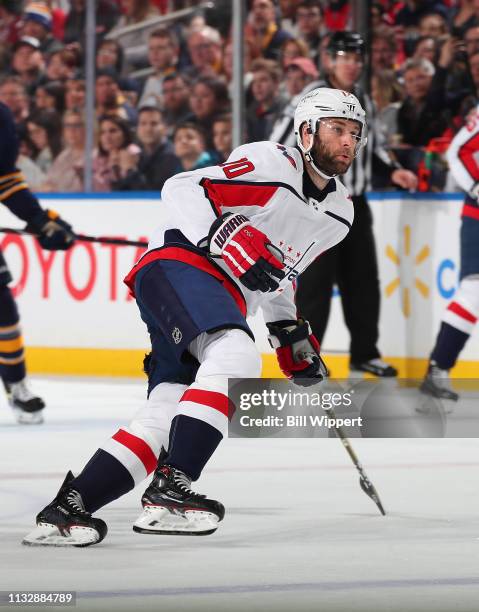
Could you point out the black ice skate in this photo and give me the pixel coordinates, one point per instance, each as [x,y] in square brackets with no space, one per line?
[171,507]
[65,522]
[27,407]
[377,367]
[436,383]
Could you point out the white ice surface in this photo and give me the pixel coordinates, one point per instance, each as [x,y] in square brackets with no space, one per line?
[299,534]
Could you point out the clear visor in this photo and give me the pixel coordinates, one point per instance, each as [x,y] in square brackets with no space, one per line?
[356,131]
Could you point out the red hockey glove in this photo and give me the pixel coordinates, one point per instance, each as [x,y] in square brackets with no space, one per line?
[248,253]
[297,350]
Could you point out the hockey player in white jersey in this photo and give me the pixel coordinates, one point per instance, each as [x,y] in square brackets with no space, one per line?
[237,236]
[462,312]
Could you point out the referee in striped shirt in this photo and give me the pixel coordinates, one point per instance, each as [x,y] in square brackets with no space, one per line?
[352,264]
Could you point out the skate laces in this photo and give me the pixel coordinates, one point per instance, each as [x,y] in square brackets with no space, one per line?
[75,502]
[183,482]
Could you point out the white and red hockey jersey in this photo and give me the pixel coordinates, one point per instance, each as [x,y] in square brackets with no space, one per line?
[264,182]
[463,159]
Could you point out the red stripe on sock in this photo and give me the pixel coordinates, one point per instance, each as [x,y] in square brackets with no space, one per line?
[470,211]
[218,401]
[139,447]
[461,312]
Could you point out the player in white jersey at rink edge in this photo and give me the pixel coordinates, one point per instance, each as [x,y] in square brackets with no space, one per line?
[461,314]
[236,238]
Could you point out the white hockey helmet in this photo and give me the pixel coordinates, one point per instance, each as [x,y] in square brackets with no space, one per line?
[323,103]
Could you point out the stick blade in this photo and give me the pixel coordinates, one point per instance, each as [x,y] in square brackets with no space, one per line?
[368,487]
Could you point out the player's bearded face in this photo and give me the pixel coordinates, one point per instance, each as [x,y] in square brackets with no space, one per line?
[333,154]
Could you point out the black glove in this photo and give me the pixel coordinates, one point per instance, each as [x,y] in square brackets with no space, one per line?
[53,233]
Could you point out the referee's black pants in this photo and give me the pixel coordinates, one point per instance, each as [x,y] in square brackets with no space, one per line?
[352,265]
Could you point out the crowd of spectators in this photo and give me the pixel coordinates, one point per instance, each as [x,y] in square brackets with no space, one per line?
[163,91]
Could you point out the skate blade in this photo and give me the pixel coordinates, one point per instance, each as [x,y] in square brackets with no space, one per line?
[28,418]
[46,534]
[158,520]
[432,405]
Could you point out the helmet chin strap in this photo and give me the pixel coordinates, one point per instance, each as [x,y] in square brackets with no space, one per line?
[308,156]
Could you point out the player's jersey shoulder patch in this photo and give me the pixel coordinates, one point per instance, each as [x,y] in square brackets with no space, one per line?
[287,154]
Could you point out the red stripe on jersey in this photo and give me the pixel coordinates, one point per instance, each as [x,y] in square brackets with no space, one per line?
[139,447]
[470,211]
[212,399]
[466,155]
[193,259]
[237,194]
[461,312]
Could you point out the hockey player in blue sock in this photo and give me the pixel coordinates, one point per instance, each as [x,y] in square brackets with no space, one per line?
[53,234]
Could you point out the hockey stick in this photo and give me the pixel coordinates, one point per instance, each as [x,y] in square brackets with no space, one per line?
[366,485]
[82,237]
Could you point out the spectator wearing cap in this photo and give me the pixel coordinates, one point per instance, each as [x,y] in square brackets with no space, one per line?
[262,31]
[300,73]
[107,14]
[66,172]
[163,50]
[28,63]
[37,23]
[176,101]
[205,51]
[309,18]
[109,99]
[301,77]
[14,94]
[156,162]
